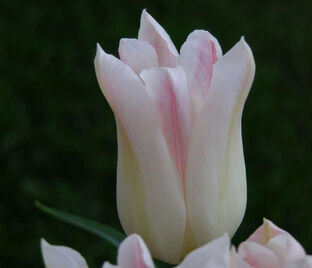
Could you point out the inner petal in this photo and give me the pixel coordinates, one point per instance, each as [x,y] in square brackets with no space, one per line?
[168,88]
[151,31]
[198,55]
[137,54]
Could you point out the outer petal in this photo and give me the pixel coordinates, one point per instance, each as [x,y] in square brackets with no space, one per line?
[137,54]
[286,248]
[148,186]
[61,257]
[265,232]
[215,254]
[198,55]
[133,253]
[151,31]
[168,88]
[258,256]
[215,176]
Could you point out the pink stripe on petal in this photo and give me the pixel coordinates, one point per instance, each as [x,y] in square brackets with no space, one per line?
[133,253]
[168,89]
[198,55]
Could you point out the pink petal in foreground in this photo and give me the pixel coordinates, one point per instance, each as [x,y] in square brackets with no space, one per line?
[139,55]
[168,89]
[151,31]
[215,254]
[61,257]
[265,232]
[257,255]
[286,248]
[133,253]
[198,55]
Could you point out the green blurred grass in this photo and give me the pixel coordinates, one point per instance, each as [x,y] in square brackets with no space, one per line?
[57,133]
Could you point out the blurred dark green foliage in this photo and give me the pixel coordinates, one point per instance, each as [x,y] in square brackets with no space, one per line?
[58,138]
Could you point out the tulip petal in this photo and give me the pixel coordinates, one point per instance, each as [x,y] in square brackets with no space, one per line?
[237,261]
[139,55]
[215,254]
[168,89]
[61,257]
[286,248]
[257,255]
[198,55]
[108,265]
[215,175]
[265,232]
[148,185]
[133,253]
[151,31]
[306,262]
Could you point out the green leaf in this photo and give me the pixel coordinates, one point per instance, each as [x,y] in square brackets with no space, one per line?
[107,233]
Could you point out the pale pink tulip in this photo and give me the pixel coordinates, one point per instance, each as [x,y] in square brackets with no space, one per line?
[270,246]
[181,178]
[132,253]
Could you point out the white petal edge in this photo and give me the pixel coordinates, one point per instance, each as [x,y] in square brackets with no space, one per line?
[215,177]
[148,186]
[151,31]
[215,254]
[134,253]
[138,54]
[61,257]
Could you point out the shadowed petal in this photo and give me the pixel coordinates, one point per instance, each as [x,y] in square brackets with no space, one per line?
[139,55]
[215,254]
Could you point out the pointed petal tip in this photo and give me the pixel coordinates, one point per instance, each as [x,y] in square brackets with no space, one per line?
[246,47]
[99,52]
[145,14]
[43,242]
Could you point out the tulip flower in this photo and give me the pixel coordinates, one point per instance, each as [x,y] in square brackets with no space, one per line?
[132,253]
[270,246]
[181,178]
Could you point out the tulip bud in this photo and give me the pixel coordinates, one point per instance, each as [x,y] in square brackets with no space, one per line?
[181,178]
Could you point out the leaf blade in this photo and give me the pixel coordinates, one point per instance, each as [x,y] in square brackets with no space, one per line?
[107,233]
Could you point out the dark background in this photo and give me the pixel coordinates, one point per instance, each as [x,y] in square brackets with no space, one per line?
[57,132]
